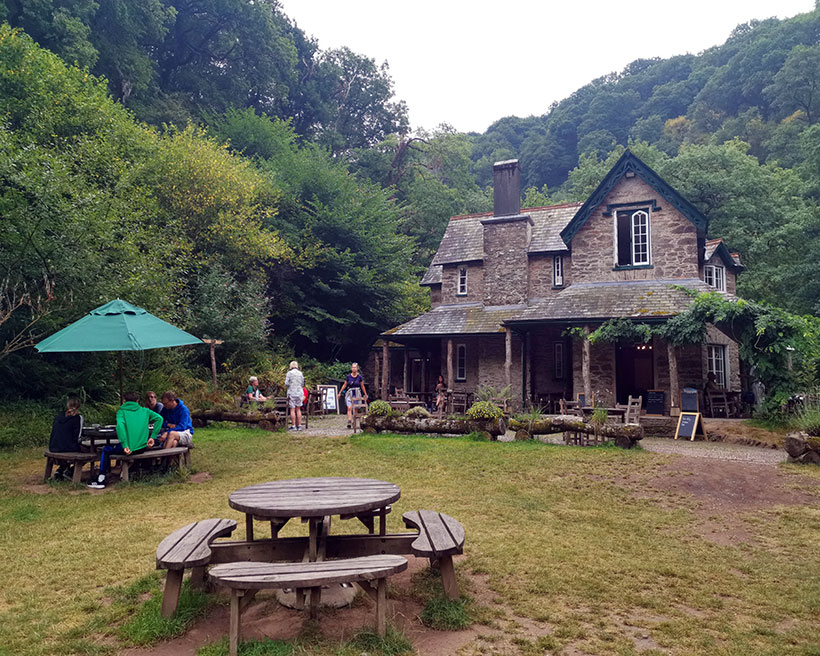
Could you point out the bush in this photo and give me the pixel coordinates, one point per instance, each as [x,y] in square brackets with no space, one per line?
[485,410]
[417,412]
[808,418]
[380,409]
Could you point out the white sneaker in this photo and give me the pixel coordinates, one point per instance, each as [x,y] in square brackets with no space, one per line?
[99,484]
[292,428]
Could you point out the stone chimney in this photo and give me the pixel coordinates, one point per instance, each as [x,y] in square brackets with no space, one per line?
[507,188]
[506,239]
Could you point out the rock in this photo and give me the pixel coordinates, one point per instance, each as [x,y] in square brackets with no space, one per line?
[803,447]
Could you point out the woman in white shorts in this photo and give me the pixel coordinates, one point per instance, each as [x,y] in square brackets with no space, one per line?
[295,384]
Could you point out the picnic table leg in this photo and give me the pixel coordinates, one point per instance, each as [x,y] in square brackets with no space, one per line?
[249,527]
[315,600]
[236,613]
[382,521]
[313,540]
[49,467]
[76,477]
[170,596]
[198,578]
[381,603]
[124,465]
[448,577]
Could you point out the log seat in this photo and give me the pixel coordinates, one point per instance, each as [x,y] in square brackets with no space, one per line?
[245,578]
[74,458]
[188,548]
[440,536]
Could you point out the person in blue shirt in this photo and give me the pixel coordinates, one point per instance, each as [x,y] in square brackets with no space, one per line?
[177,429]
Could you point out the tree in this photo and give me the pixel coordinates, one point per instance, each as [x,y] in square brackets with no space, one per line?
[797,83]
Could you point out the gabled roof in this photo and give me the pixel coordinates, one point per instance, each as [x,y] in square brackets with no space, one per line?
[630,162]
[432,276]
[718,246]
[461,319]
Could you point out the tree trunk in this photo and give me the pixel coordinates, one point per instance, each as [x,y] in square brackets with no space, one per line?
[433,425]
[267,420]
[566,423]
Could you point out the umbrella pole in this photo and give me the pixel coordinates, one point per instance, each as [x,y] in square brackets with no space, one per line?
[119,357]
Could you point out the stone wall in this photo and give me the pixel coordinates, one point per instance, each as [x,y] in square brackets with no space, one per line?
[542,362]
[475,283]
[540,275]
[673,240]
[492,350]
[435,295]
[601,371]
[505,260]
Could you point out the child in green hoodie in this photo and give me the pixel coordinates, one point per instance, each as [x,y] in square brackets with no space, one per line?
[132,432]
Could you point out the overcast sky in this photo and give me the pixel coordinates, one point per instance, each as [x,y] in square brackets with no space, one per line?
[469,63]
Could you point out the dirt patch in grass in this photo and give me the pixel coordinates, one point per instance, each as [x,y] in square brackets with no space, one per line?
[200,477]
[739,431]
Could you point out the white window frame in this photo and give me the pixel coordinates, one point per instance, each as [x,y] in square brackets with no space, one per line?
[717,362]
[714,275]
[461,362]
[461,285]
[644,234]
[558,358]
[558,271]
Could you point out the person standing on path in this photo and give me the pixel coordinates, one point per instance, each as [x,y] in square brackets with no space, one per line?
[295,384]
[353,380]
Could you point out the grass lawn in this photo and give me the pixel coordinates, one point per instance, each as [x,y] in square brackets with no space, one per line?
[577,541]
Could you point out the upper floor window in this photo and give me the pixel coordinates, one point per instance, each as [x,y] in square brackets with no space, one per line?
[715,276]
[462,281]
[633,237]
[461,362]
[558,271]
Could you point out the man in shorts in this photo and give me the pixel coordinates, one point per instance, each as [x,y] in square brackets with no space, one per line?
[177,429]
[295,384]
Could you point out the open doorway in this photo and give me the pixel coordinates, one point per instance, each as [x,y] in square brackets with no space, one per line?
[634,371]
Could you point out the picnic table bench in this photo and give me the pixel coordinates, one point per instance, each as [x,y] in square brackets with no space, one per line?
[440,536]
[245,578]
[174,455]
[74,458]
[188,548]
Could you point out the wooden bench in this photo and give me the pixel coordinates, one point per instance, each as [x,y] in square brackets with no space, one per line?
[174,455]
[188,548]
[440,536]
[245,579]
[74,458]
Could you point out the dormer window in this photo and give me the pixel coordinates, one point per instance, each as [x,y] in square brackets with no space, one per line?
[558,271]
[632,227]
[715,276]
[462,281]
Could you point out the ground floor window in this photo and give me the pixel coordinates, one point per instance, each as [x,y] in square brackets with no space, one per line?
[461,362]
[716,363]
[558,353]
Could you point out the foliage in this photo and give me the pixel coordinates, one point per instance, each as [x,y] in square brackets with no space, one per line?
[484,410]
[599,416]
[446,615]
[808,417]
[489,393]
[266,647]
[146,626]
[380,409]
[417,412]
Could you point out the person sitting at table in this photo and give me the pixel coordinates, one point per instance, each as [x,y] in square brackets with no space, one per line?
[295,385]
[132,432]
[66,430]
[152,403]
[353,380]
[177,428]
[253,393]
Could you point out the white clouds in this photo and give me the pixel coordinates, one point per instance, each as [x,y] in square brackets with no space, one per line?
[470,63]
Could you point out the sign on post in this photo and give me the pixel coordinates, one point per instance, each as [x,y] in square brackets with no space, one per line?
[329,397]
[689,425]
[689,400]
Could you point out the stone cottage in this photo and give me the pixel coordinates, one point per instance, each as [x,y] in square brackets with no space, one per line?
[506,286]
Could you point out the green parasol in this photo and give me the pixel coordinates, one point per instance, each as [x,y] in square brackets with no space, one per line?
[116,326]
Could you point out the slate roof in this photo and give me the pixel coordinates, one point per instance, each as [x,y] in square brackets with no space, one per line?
[718,245]
[432,276]
[463,319]
[635,299]
[463,239]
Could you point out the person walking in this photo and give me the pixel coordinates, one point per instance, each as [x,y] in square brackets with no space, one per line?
[441,395]
[353,380]
[295,384]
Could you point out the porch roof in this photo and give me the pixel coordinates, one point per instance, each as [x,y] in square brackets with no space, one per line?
[462,319]
[634,299]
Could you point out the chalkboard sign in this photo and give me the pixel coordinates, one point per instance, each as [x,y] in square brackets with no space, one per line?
[689,425]
[655,402]
[329,394]
[689,400]
[582,400]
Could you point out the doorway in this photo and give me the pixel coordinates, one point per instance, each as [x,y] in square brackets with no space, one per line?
[634,371]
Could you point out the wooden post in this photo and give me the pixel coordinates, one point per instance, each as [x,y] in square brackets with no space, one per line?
[381,603]
[449,375]
[674,389]
[507,356]
[585,366]
[424,386]
[377,377]
[385,368]
[236,611]
[404,371]
[212,343]
[170,597]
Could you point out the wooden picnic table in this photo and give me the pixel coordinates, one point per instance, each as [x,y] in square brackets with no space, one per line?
[618,413]
[94,436]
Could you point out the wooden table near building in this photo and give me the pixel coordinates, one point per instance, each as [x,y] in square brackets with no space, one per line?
[617,413]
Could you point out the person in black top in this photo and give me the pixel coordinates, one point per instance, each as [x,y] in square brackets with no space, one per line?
[353,380]
[65,434]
